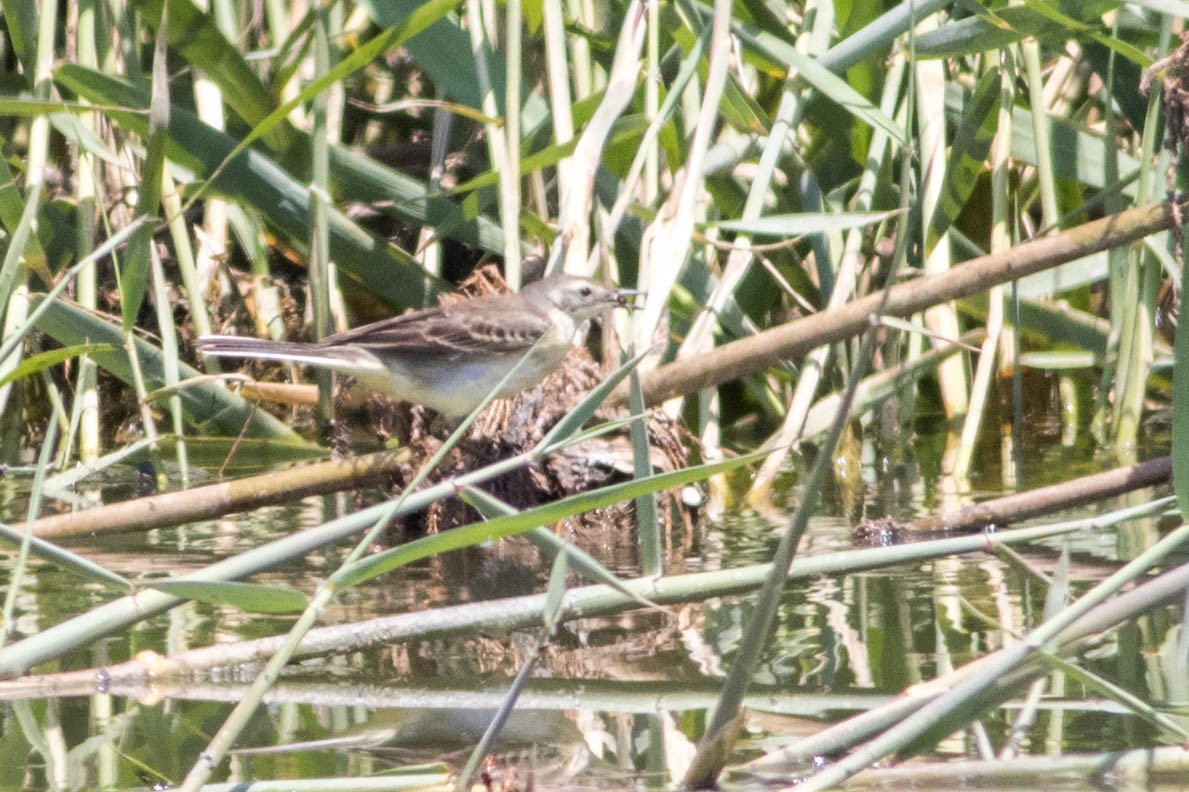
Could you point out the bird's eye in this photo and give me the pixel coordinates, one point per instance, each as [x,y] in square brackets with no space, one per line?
[585,291]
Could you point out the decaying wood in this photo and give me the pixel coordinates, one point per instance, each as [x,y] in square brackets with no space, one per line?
[518,424]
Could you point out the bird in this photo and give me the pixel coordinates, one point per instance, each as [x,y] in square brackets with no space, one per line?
[450,357]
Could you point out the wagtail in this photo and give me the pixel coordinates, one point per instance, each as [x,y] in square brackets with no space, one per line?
[450,357]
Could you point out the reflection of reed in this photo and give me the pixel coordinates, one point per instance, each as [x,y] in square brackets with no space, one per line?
[645,696]
[1104,770]
[511,613]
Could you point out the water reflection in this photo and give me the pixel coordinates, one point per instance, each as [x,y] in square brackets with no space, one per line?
[619,700]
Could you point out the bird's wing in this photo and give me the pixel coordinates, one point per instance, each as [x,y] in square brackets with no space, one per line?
[489,323]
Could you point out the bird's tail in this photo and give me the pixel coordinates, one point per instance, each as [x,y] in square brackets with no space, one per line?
[342,359]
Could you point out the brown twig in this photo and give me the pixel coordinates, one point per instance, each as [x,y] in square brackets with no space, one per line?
[798,337]
[216,500]
[1055,497]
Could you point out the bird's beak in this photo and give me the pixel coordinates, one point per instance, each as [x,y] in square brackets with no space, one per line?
[623,297]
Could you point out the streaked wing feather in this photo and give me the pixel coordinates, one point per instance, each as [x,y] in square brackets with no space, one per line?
[497,325]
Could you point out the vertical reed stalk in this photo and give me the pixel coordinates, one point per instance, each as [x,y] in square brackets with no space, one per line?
[481,46]
[1117,283]
[169,349]
[670,235]
[14,289]
[1001,239]
[188,269]
[429,247]
[652,100]
[87,194]
[942,319]
[1142,283]
[1041,129]
[212,242]
[320,265]
[844,289]
[510,174]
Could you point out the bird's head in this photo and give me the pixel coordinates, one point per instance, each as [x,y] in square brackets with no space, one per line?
[579,298]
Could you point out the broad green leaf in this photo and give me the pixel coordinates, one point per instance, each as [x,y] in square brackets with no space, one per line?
[240,456]
[45,360]
[824,81]
[361,178]
[968,155]
[12,207]
[1067,277]
[1074,16]
[477,533]
[368,263]
[1013,24]
[193,34]
[626,129]
[418,19]
[20,27]
[63,118]
[439,50]
[355,175]
[245,596]
[977,34]
[436,50]
[1078,153]
[1051,324]
[758,13]
[1125,77]
[29,107]
[134,264]
[534,15]
[69,126]
[208,405]
[794,225]
[741,111]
